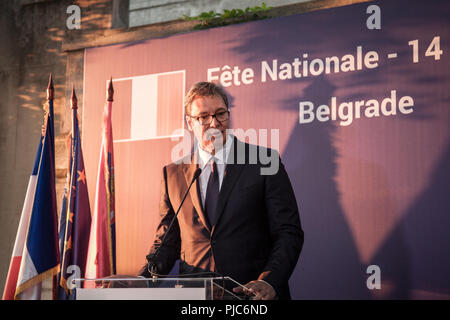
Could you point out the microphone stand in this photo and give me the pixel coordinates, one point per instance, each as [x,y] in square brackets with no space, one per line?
[152,257]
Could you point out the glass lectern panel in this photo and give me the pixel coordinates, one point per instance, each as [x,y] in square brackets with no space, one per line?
[131,288]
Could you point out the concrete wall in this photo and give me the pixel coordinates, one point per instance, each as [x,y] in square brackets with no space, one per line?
[144,12]
[35,41]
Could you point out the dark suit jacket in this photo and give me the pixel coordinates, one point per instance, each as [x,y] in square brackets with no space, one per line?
[257,233]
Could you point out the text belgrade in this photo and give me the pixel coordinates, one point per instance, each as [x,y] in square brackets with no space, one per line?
[347,111]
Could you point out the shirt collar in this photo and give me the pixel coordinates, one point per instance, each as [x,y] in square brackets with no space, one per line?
[221,156]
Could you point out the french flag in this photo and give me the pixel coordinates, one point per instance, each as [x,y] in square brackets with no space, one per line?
[36,252]
[16,259]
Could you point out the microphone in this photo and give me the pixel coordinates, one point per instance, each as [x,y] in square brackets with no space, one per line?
[152,257]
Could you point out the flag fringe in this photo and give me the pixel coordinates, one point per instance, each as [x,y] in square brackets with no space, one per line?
[35,280]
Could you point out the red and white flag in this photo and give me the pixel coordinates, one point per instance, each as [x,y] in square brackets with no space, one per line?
[101,260]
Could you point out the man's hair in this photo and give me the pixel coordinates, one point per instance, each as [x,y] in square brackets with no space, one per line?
[203,89]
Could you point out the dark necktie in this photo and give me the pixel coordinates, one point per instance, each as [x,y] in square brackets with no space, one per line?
[212,194]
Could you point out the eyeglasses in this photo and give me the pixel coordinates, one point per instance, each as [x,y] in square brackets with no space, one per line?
[220,116]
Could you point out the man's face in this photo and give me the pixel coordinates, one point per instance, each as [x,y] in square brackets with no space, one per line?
[213,135]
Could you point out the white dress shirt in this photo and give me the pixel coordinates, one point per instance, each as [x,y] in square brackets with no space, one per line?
[205,158]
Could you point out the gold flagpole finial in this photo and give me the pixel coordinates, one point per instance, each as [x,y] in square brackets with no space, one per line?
[73,99]
[110,91]
[50,88]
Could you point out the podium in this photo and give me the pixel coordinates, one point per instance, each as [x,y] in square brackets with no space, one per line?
[140,288]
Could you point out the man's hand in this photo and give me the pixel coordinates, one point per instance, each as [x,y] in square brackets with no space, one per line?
[260,290]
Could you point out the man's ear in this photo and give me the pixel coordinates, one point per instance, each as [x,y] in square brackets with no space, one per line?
[189,123]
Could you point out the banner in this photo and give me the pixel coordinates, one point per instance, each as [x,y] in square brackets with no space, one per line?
[355,99]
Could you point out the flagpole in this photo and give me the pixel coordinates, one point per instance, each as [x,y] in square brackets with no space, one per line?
[50,98]
[110,180]
[67,215]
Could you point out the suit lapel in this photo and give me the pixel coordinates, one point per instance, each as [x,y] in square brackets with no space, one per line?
[231,174]
[189,170]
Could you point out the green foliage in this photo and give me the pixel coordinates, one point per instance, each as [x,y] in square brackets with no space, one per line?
[213,19]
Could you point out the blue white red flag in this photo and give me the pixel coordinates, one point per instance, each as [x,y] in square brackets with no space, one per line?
[40,252]
[16,259]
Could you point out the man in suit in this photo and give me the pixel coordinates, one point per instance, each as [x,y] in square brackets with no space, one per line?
[240,218]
